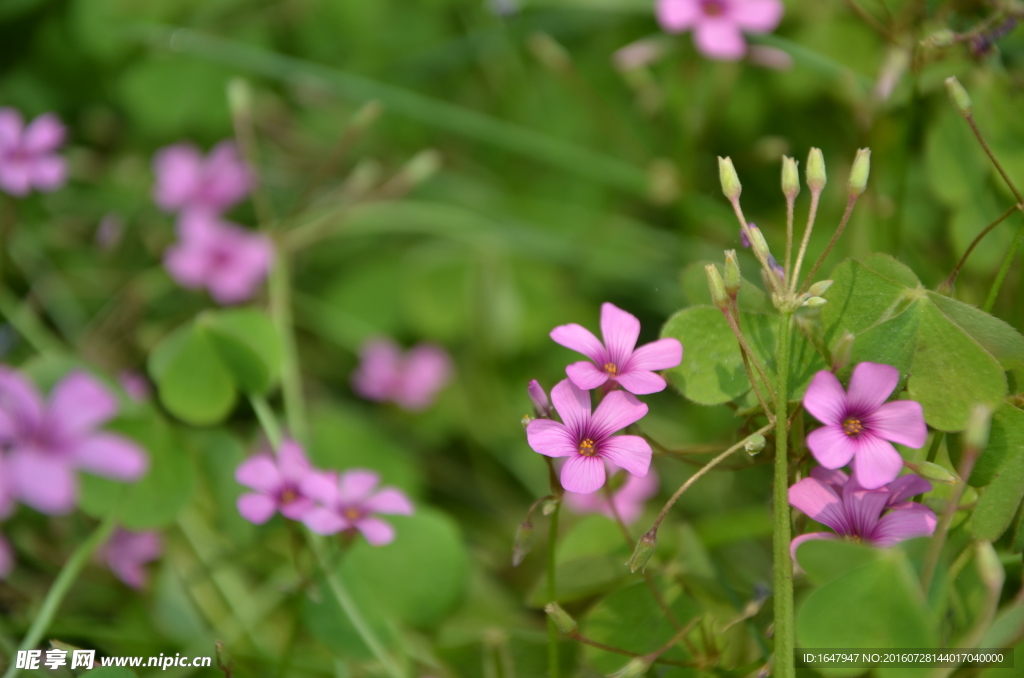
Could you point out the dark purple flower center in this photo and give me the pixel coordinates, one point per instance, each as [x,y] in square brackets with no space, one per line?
[587,447]
[852,426]
[611,368]
[712,7]
[220,257]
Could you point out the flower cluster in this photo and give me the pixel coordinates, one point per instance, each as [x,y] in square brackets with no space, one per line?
[28,153]
[327,502]
[859,427]
[43,444]
[126,552]
[225,258]
[585,438]
[718,25]
[410,380]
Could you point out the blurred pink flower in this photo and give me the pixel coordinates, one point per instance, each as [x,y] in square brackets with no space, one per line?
[348,501]
[718,25]
[628,501]
[6,507]
[410,380]
[28,156]
[278,484]
[6,558]
[188,182]
[109,231]
[616,360]
[126,553]
[587,440]
[834,499]
[49,441]
[859,423]
[135,385]
[225,258]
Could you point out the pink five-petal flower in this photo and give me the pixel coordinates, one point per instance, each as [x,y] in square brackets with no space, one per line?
[228,260]
[858,424]
[49,441]
[587,440]
[188,182]
[28,156]
[410,380]
[718,25]
[127,552]
[615,359]
[881,516]
[278,484]
[627,501]
[349,501]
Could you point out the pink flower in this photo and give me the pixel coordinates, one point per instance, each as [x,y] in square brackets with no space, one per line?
[858,424]
[718,25]
[278,484]
[126,553]
[835,500]
[410,380]
[586,439]
[628,501]
[225,258]
[6,558]
[49,441]
[348,503]
[541,404]
[135,385]
[28,156]
[615,360]
[188,182]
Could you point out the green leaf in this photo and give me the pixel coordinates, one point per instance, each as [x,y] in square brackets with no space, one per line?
[191,380]
[247,343]
[827,559]
[1004,343]
[219,455]
[892,269]
[1005,445]
[957,170]
[1002,495]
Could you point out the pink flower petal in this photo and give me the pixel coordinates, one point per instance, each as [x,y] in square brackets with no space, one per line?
[16,177]
[186,263]
[583,474]
[657,355]
[389,500]
[539,398]
[48,172]
[719,38]
[260,473]
[79,403]
[819,502]
[837,479]
[756,16]
[825,398]
[620,330]
[43,135]
[551,438]
[572,405]
[6,558]
[292,462]
[871,385]
[901,421]
[297,508]
[676,16]
[324,521]
[630,453]
[863,507]
[43,481]
[586,375]
[427,369]
[11,125]
[356,485]
[321,486]
[617,411]
[239,260]
[877,462]
[585,503]
[905,487]
[795,544]
[641,382]
[111,456]
[21,407]
[581,340]
[908,522]
[256,508]
[831,446]
[178,169]
[379,370]
[376,531]
[227,179]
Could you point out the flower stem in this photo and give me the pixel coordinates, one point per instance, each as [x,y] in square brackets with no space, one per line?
[978,238]
[291,378]
[784,621]
[61,585]
[1004,269]
[811,216]
[831,243]
[553,664]
[267,420]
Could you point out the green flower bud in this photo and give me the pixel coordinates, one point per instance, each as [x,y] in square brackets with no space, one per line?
[239,96]
[733,280]
[932,471]
[816,178]
[643,551]
[976,434]
[819,288]
[940,38]
[959,96]
[422,166]
[758,243]
[842,352]
[523,542]
[790,178]
[634,669]
[815,302]
[719,296]
[549,507]
[989,566]
[754,444]
[731,186]
[859,173]
[563,622]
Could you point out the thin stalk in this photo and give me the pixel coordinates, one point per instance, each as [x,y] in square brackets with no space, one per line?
[553,665]
[831,243]
[773,280]
[578,637]
[267,420]
[748,355]
[790,205]
[291,378]
[974,243]
[992,157]
[784,618]
[812,214]
[61,585]
[1004,269]
[28,326]
[931,560]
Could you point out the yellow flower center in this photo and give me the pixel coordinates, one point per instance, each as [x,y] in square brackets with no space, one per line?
[587,448]
[352,514]
[852,426]
[288,496]
[611,368]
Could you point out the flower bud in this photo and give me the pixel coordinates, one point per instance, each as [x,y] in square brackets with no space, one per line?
[976,433]
[731,186]
[816,178]
[758,243]
[563,622]
[842,352]
[940,474]
[522,543]
[549,507]
[940,38]
[815,302]
[239,96]
[790,178]
[733,280]
[859,173]
[719,297]
[959,96]
[643,551]
[990,569]
[754,444]
[819,288]
[525,421]
[636,668]
[422,166]
[539,398]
